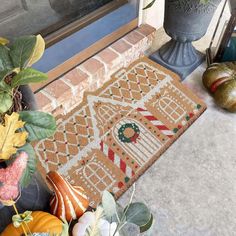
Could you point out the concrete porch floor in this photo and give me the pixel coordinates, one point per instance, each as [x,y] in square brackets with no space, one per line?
[191,189]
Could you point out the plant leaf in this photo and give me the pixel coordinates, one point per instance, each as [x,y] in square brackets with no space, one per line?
[149,5]
[138,214]
[108,204]
[21,50]
[5,103]
[5,87]
[38,50]
[39,125]
[31,164]
[5,60]
[120,214]
[147,226]
[5,73]
[28,75]
[10,139]
[3,41]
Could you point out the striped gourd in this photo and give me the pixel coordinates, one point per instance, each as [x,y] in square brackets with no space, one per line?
[68,202]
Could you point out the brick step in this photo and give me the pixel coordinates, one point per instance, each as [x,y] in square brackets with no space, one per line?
[62,95]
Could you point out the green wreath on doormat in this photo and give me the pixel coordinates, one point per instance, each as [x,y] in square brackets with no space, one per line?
[128,133]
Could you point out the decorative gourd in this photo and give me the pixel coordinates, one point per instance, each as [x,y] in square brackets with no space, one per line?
[220,80]
[69,202]
[42,222]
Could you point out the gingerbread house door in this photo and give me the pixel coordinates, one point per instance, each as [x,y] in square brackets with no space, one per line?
[142,146]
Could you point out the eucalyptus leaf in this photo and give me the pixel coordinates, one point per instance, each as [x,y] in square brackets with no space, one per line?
[120,215]
[150,231]
[5,60]
[28,75]
[138,214]
[5,102]
[108,204]
[31,164]
[147,226]
[39,125]
[21,50]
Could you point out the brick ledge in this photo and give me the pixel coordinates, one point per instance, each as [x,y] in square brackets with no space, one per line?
[62,95]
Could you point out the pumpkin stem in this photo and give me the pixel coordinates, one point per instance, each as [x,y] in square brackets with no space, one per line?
[15,209]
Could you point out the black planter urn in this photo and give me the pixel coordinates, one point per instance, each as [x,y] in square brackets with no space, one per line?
[185,21]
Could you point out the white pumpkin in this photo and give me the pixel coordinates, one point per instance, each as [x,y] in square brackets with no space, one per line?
[87,219]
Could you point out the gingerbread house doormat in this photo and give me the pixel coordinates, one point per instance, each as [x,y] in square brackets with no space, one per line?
[118,131]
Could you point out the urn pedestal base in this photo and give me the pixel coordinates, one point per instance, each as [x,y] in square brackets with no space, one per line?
[180,57]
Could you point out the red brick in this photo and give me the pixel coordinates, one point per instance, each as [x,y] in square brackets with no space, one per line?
[92,65]
[44,103]
[146,29]
[75,76]
[58,89]
[121,46]
[107,55]
[133,37]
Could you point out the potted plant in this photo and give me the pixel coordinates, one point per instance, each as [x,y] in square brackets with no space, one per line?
[108,219]
[185,21]
[20,125]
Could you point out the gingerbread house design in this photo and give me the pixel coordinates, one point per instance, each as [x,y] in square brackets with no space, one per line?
[119,130]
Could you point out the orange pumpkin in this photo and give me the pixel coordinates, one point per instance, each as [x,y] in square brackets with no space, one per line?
[69,202]
[42,222]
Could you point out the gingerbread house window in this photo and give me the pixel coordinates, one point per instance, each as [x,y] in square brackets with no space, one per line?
[171,109]
[106,112]
[98,177]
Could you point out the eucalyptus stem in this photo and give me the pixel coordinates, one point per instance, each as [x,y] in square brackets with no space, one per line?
[122,223]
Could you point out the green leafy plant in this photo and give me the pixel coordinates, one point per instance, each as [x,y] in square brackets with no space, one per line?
[15,62]
[18,125]
[114,220]
[153,1]
[136,213]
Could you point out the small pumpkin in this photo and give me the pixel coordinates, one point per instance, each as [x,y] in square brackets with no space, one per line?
[69,202]
[42,222]
[220,80]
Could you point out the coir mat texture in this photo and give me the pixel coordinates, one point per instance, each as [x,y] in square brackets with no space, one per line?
[120,130]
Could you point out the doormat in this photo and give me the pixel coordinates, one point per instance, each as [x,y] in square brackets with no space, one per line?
[120,130]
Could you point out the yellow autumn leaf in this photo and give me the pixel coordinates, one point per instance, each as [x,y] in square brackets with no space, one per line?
[38,50]
[10,139]
[3,41]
